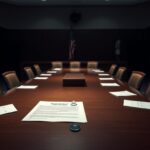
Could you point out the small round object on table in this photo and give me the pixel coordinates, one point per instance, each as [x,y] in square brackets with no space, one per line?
[75,127]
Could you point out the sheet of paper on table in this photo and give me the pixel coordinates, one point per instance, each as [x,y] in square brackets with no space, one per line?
[53,72]
[59,111]
[97,70]
[103,74]
[45,75]
[109,84]
[136,104]
[41,78]
[57,69]
[27,87]
[106,79]
[122,93]
[7,109]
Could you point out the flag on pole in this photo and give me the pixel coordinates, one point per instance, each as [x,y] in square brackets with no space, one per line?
[71,47]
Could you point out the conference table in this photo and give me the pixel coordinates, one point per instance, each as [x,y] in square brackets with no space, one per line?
[110,126]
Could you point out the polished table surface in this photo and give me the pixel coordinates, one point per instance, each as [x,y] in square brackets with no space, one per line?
[110,126]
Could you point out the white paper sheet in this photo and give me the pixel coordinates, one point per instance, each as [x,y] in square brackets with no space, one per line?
[41,78]
[45,75]
[105,79]
[109,84]
[57,69]
[122,93]
[52,71]
[7,109]
[97,70]
[57,112]
[27,87]
[104,74]
[136,104]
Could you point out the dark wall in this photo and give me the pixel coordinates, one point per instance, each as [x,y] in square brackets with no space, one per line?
[17,46]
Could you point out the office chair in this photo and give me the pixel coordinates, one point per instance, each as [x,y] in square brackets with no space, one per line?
[147,92]
[11,79]
[92,65]
[29,73]
[136,78]
[57,64]
[37,69]
[120,73]
[112,69]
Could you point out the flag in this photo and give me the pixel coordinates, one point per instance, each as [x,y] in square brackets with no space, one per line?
[72,46]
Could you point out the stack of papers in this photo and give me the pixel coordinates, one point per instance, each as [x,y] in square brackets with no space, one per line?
[136,104]
[52,71]
[7,109]
[27,87]
[41,78]
[103,74]
[57,112]
[46,74]
[106,79]
[122,93]
[109,84]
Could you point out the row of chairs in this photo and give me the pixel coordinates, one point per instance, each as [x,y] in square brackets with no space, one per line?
[135,80]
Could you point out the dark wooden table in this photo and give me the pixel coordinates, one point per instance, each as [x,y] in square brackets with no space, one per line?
[111,126]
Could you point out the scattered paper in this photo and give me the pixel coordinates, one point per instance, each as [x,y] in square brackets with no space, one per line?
[7,109]
[27,87]
[45,75]
[57,112]
[122,93]
[106,79]
[41,78]
[109,84]
[136,104]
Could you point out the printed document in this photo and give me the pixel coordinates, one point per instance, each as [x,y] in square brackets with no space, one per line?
[7,109]
[57,69]
[27,87]
[122,93]
[59,111]
[41,78]
[136,104]
[109,84]
[97,70]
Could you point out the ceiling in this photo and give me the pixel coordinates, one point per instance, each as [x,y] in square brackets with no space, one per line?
[73,2]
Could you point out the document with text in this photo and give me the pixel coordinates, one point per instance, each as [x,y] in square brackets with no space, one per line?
[27,87]
[7,109]
[97,70]
[136,104]
[103,74]
[59,111]
[54,71]
[122,93]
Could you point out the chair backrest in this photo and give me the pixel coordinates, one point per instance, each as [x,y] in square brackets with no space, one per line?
[147,93]
[92,64]
[120,73]
[37,69]
[11,79]
[29,73]
[136,78]
[57,64]
[112,69]
[75,64]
